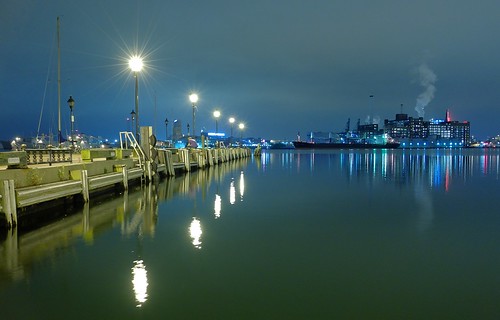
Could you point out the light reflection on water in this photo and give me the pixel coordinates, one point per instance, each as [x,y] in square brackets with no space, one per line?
[195,232]
[330,234]
[435,166]
[140,282]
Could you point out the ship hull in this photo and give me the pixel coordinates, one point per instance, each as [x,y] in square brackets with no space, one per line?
[313,145]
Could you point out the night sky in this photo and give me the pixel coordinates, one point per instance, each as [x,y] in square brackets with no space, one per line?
[278,66]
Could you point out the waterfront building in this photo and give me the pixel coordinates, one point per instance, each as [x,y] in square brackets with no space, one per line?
[177,130]
[435,133]
[368,131]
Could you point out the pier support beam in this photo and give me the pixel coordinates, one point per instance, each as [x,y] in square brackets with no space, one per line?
[125,177]
[185,159]
[85,185]
[9,203]
[169,163]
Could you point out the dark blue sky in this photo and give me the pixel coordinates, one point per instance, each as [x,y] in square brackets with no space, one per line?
[278,66]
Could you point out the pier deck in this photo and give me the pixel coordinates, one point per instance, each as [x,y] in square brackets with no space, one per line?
[24,185]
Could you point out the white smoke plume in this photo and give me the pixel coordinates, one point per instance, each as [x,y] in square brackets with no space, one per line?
[427,78]
[373,120]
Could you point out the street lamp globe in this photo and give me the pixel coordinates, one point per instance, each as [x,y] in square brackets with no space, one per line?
[135,63]
[231,121]
[193,97]
[216,116]
[241,126]
[71,104]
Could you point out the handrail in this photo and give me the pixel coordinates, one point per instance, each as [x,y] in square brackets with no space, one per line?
[127,138]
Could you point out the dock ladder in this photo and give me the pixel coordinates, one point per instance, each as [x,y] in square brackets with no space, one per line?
[128,139]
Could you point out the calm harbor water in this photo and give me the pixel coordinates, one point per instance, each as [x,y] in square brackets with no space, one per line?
[368,234]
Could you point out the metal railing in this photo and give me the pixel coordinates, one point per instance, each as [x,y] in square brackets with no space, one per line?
[127,140]
[50,156]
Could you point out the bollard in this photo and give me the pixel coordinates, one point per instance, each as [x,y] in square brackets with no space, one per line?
[85,185]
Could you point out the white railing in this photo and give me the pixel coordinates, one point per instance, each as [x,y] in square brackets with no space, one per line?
[127,139]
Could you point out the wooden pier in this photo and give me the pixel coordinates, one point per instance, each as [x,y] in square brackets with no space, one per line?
[24,184]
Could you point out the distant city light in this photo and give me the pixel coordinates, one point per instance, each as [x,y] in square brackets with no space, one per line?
[216,134]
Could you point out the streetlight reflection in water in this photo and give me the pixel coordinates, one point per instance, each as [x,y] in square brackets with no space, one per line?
[195,232]
[232,193]
[140,282]
[134,214]
[217,206]
[242,185]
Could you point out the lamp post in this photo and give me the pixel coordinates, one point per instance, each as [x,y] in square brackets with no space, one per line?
[188,128]
[216,116]
[370,117]
[166,129]
[132,117]
[71,104]
[193,97]
[136,64]
[241,126]
[231,121]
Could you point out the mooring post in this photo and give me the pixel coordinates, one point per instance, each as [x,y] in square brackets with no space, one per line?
[149,171]
[125,177]
[85,185]
[6,203]
[216,156]
[185,158]
[13,207]
[169,163]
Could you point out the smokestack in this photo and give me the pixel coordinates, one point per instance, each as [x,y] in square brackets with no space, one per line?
[448,117]
[427,78]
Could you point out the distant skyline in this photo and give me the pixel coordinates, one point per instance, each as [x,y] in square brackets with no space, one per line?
[280,67]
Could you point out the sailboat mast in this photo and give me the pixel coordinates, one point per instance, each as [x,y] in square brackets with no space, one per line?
[59,137]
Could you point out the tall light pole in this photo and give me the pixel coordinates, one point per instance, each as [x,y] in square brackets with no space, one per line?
[132,117]
[59,134]
[241,126]
[71,104]
[136,64]
[231,121]
[216,116]
[370,117]
[193,97]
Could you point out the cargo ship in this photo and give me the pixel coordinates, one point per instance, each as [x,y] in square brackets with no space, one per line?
[365,137]
[344,145]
